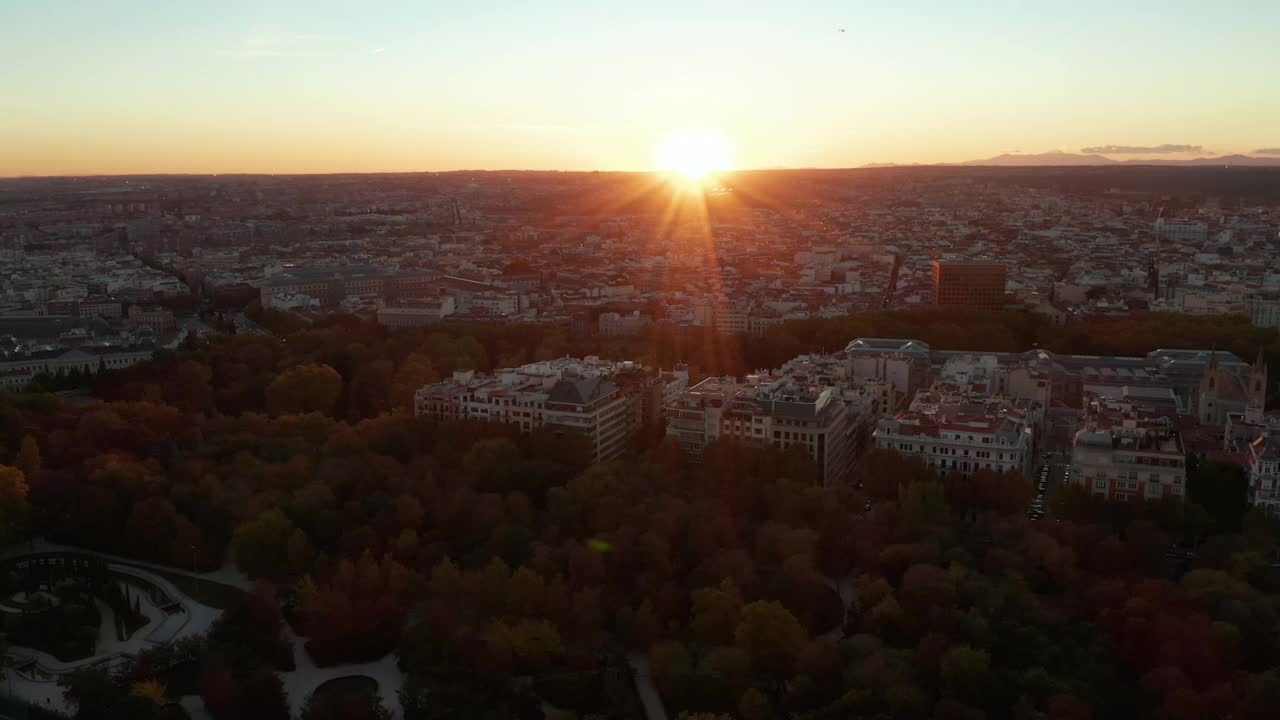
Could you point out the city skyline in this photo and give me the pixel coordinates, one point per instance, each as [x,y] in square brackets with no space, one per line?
[154,88]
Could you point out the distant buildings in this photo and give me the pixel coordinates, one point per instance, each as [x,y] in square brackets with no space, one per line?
[614,324]
[160,320]
[603,401]
[1186,231]
[331,284]
[969,284]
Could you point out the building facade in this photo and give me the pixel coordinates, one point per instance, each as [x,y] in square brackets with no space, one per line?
[20,365]
[1264,471]
[1263,310]
[569,395]
[1122,453]
[416,314]
[768,411]
[961,433]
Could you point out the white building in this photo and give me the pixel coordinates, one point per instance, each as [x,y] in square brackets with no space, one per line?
[579,396]
[20,365]
[1122,453]
[1263,310]
[961,434]
[1264,472]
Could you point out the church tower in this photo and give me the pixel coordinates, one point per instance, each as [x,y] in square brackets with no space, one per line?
[1256,405]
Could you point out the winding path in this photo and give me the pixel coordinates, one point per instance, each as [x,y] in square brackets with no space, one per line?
[653,707]
[193,619]
[306,677]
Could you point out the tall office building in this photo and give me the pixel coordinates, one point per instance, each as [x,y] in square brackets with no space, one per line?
[969,284]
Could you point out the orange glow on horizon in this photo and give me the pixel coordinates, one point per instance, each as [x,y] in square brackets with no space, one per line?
[694,154]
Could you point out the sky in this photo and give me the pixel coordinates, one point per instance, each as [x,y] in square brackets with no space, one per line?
[133,86]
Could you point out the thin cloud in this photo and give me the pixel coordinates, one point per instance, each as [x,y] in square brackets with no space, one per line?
[1267,151]
[528,128]
[1142,149]
[375,51]
[265,41]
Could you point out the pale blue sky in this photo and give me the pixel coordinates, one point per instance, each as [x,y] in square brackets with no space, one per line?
[133,86]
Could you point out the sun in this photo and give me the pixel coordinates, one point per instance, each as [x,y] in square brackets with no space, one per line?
[694,153]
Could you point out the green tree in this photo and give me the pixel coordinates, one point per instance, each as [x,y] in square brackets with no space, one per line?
[304,388]
[771,637]
[965,671]
[413,373]
[716,612]
[755,705]
[261,545]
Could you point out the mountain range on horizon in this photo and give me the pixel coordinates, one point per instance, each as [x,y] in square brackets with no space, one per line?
[1066,159]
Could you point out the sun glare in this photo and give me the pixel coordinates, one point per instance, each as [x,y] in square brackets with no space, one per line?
[693,154]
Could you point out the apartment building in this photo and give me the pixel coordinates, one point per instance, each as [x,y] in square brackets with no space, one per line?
[1264,471]
[99,306]
[694,417]
[763,410]
[1263,310]
[956,432]
[901,362]
[567,394]
[1123,453]
[159,319]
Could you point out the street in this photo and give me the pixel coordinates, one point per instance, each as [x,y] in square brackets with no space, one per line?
[1053,471]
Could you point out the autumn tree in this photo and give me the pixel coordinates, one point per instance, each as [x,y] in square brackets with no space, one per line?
[29,460]
[415,371]
[771,637]
[306,388]
[262,545]
[716,613]
[15,509]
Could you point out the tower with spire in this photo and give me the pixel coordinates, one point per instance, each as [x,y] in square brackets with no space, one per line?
[1256,402]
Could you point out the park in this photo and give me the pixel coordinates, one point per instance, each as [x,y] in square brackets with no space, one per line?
[63,611]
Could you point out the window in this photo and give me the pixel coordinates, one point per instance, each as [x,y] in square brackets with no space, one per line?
[1100,484]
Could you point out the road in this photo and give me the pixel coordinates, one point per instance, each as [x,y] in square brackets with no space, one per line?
[1059,472]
